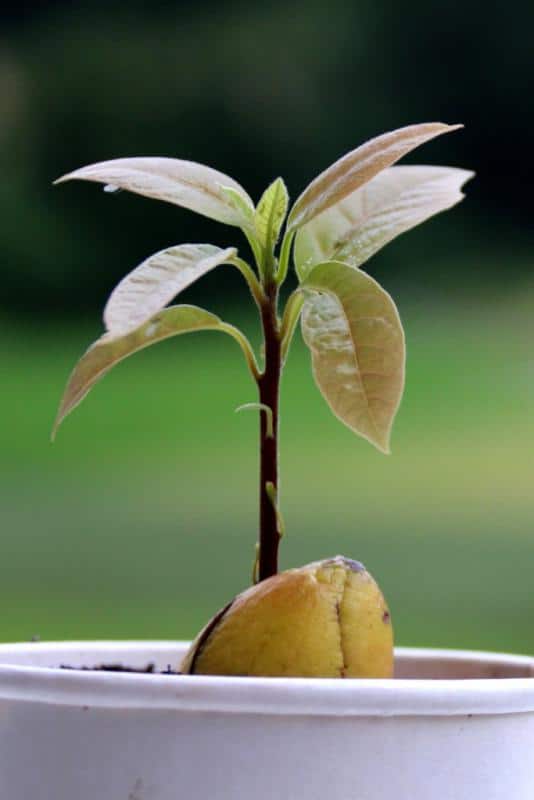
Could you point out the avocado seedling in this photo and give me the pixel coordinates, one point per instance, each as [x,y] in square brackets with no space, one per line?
[329,618]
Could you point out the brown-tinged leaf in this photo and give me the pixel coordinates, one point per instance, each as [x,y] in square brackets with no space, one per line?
[359,166]
[109,350]
[184,183]
[353,330]
[155,282]
[395,200]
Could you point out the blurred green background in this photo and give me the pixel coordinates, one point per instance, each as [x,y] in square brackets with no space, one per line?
[141,520]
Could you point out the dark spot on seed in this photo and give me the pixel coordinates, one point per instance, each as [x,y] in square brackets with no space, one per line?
[354,566]
[386,617]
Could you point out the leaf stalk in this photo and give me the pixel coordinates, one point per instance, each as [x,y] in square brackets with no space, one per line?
[253,283]
[290,318]
[244,343]
[285,254]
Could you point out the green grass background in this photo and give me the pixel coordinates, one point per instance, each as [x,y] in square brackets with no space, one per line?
[140,521]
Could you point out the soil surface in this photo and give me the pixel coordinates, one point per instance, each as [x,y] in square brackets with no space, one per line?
[150,669]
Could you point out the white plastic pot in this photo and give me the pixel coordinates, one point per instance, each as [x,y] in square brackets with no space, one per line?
[451,726]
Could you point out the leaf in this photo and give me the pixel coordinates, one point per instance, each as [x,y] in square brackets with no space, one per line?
[108,351]
[353,330]
[270,214]
[359,166]
[242,205]
[395,200]
[184,183]
[155,282]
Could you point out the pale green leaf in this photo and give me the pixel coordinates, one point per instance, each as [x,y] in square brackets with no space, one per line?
[242,205]
[359,166]
[183,183]
[108,351]
[270,214]
[155,282]
[395,200]
[353,330]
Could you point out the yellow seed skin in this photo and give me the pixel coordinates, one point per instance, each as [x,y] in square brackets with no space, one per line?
[325,620]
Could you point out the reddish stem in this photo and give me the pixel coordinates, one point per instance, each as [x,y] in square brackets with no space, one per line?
[269,390]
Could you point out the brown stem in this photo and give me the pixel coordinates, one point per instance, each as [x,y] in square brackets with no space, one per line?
[269,388]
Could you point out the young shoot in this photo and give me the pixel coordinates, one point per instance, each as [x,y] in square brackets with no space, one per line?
[349,322]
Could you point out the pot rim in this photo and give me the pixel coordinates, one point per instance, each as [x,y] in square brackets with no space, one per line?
[270,696]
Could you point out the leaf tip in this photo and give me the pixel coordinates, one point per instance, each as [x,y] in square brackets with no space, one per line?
[469,174]
[66,177]
[381,442]
[445,127]
[60,416]
[55,428]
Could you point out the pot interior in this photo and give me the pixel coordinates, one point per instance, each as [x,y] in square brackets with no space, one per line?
[460,665]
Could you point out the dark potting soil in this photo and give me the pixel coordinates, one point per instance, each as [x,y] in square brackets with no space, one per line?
[150,669]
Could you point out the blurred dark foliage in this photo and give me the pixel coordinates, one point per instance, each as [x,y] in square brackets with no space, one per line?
[256,90]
